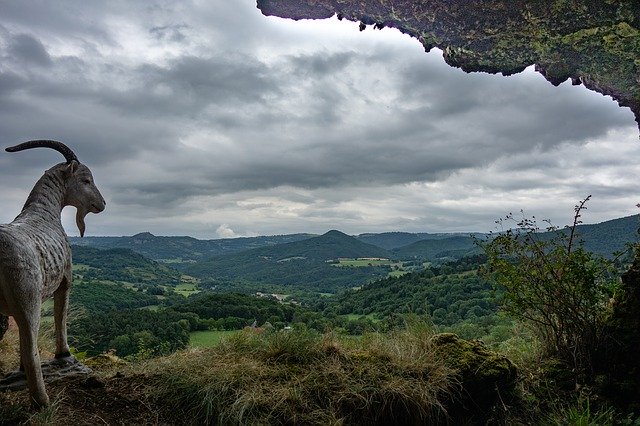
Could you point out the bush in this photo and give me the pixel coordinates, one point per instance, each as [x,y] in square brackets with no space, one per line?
[548,280]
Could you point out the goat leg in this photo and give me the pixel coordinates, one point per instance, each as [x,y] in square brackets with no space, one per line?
[60,308]
[28,326]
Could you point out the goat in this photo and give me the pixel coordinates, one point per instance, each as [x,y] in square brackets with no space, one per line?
[35,257]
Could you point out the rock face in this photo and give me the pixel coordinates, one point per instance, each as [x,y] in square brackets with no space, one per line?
[618,363]
[484,376]
[595,43]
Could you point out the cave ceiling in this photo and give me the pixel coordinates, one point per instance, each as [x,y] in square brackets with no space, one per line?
[593,43]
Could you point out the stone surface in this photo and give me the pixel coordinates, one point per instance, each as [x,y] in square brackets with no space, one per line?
[485,377]
[618,363]
[52,371]
[595,43]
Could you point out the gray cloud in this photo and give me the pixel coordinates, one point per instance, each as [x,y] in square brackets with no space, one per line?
[205,115]
[29,50]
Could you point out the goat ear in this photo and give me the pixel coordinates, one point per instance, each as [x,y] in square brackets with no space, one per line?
[72,167]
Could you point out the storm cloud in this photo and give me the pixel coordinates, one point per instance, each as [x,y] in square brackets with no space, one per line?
[213,120]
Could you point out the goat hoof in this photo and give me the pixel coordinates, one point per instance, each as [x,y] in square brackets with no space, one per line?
[40,403]
[61,355]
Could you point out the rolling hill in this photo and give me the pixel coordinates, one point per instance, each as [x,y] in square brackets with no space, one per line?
[183,249]
[605,238]
[121,265]
[302,264]
[452,247]
[395,240]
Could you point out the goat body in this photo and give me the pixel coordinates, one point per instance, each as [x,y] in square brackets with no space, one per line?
[35,261]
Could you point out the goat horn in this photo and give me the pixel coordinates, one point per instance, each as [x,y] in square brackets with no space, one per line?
[43,143]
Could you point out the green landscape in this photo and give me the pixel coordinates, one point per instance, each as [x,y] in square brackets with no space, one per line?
[301,300]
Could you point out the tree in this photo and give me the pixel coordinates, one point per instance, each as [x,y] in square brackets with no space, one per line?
[548,280]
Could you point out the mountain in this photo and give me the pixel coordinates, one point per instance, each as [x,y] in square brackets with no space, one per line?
[451,247]
[302,264]
[183,249]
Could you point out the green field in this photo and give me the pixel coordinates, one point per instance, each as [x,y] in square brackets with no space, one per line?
[187,289]
[358,263]
[397,271]
[79,267]
[354,317]
[209,338]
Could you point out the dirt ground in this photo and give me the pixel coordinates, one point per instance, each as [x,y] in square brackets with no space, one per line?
[104,398]
[115,400]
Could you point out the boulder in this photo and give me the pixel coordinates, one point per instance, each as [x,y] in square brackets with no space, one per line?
[485,377]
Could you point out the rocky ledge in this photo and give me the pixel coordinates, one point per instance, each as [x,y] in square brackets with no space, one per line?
[596,44]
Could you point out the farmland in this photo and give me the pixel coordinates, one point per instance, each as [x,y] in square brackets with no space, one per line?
[208,338]
[397,268]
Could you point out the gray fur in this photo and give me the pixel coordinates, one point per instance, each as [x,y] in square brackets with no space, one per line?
[35,261]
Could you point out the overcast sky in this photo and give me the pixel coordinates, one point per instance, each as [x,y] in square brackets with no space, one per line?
[208,119]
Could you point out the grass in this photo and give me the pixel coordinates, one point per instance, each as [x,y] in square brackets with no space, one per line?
[209,338]
[301,377]
[354,317]
[398,269]
[358,263]
[294,377]
[79,267]
[186,289]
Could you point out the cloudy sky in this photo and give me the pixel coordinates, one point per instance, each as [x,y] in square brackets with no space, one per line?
[211,120]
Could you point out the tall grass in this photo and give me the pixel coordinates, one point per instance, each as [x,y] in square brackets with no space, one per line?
[304,377]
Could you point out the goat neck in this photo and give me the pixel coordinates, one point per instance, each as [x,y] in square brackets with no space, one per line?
[46,199]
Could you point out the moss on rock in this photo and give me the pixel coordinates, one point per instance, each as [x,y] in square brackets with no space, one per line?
[593,43]
[484,376]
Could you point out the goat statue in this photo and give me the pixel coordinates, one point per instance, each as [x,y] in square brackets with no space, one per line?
[35,257]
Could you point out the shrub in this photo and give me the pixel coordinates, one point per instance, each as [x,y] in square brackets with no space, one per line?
[548,280]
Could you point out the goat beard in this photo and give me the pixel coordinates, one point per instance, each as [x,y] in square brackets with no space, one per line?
[80,214]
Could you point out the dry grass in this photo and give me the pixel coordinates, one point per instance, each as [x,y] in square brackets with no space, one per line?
[296,377]
[302,377]
[10,347]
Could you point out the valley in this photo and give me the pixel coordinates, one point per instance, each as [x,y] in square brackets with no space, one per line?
[333,281]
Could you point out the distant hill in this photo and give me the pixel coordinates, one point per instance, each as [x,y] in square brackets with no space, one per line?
[302,263]
[452,247]
[605,238]
[183,249]
[121,265]
[391,240]
[394,240]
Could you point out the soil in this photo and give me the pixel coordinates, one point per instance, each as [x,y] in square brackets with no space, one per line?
[92,400]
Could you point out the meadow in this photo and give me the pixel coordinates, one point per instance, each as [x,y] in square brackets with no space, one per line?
[209,338]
